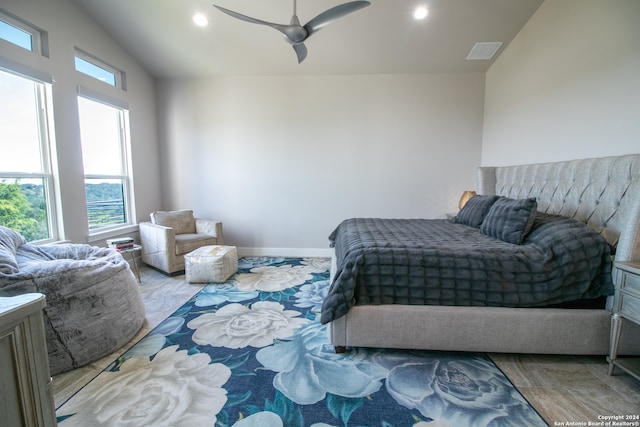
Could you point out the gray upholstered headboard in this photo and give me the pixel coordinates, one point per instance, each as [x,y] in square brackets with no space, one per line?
[601,192]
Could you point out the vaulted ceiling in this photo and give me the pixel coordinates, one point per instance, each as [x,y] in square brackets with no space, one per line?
[382,38]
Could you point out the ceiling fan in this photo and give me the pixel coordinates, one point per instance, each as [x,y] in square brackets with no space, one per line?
[295,33]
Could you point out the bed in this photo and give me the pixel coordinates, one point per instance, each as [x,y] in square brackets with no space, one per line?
[603,193]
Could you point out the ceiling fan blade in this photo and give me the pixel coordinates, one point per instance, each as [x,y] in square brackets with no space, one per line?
[301,51]
[330,15]
[282,28]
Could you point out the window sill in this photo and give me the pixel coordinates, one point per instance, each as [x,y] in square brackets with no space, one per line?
[112,232]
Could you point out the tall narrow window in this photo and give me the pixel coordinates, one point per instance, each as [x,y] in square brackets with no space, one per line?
[104,135]
[26,182]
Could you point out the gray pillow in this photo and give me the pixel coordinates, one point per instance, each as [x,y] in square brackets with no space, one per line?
[474,211]
[510,220]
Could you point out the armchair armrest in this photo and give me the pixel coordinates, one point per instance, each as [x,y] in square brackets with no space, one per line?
[158,245]
[156,238]
[210,228]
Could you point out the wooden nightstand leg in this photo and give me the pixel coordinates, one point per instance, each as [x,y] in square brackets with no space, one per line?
[616,327]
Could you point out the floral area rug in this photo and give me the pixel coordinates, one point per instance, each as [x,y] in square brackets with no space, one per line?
[252,352]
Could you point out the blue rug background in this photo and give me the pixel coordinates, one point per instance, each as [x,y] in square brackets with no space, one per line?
[251,352]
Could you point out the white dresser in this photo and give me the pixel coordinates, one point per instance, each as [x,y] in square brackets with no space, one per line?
[25,383]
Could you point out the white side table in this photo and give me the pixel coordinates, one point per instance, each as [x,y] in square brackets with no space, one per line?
[626,307]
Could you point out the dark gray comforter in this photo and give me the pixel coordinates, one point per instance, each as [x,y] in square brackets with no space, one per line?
[438,262]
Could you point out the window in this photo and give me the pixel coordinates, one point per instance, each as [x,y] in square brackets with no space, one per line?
[99,70]
[104,136]
[22,34]
[96,72]
[16,36]
[26,182]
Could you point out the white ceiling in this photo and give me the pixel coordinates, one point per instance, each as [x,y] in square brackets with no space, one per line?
[382,38]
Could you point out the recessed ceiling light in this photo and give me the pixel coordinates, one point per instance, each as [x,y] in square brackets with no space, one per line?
[200,20]
[420,12]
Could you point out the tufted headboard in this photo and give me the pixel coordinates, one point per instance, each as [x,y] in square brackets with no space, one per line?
[601,192]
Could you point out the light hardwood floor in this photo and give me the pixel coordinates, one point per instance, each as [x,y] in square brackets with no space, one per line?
[563,389]
[577,389]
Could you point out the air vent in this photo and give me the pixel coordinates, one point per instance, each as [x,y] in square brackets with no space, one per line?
[484,50]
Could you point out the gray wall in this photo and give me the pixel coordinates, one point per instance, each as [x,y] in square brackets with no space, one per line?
[282,160]
[68,27]
[568,85]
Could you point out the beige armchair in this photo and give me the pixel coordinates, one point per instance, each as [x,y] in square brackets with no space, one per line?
[172,234]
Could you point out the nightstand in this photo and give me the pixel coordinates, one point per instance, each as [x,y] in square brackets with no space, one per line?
[626,307]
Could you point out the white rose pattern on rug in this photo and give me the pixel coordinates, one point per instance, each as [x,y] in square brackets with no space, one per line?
[252,352]
[273,279]
[238,326]
[172,389]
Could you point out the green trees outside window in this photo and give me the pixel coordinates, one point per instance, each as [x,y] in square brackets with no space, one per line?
[23,209]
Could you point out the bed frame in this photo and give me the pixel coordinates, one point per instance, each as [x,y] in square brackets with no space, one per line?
[602,192]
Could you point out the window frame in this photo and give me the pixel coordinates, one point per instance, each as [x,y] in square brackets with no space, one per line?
[118,75]
[38,37]
[44,107]
[125,163]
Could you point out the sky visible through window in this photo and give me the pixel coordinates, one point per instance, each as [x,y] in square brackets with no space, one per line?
[95,71]
[20,141]
[100,133]
[16,36]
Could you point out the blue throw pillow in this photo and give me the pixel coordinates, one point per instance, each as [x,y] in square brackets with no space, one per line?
[510,220]
[474,211]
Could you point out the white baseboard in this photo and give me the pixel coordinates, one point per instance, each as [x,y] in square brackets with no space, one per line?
[286,252]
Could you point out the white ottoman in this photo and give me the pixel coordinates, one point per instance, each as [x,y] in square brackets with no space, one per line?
[211,264]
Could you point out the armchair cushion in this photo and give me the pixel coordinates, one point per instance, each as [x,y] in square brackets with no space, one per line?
[182,221]
[186,243]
